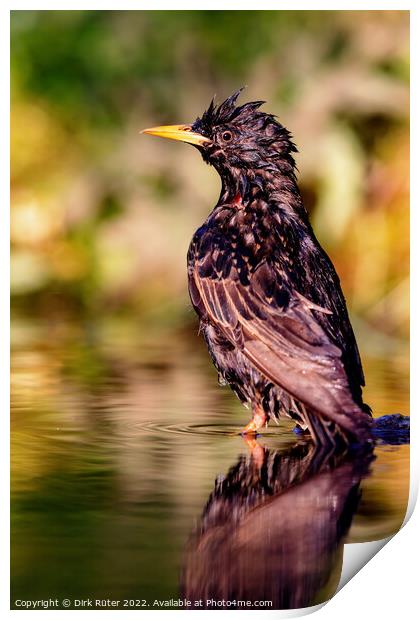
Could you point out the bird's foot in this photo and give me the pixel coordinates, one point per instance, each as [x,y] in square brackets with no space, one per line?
[257,422]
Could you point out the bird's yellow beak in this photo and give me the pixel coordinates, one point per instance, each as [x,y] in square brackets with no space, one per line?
[184,133]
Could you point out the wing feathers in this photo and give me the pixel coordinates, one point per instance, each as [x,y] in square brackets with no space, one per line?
[279,333]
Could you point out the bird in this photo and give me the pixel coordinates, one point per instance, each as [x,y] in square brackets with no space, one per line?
[269,301]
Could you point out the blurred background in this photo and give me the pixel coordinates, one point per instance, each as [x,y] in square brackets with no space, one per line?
[102,217]
[119,427]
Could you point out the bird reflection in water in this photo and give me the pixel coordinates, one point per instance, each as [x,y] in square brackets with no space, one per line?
[273,529]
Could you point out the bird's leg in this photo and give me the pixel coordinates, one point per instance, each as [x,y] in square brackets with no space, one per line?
[257,422]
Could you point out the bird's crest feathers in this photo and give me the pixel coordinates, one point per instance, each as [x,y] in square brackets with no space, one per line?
[249,118]
[228,111]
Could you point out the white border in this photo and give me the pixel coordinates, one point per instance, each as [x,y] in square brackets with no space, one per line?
[387,585]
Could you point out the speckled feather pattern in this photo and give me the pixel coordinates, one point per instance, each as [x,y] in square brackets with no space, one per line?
[268,298]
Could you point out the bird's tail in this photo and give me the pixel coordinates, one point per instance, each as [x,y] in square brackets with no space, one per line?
[354,427]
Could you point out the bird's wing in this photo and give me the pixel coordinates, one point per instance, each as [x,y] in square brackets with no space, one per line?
[278,331]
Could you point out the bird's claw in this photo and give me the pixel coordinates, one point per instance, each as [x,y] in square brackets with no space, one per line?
[257,422]
[250,429]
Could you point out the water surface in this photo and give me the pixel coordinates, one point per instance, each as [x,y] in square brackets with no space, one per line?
[129,473]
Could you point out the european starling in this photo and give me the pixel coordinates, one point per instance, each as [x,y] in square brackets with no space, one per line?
[268,298]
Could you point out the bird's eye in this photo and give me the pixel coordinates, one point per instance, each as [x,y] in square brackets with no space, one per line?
[227,136]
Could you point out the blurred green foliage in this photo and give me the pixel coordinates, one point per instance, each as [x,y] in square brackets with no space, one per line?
[102,217]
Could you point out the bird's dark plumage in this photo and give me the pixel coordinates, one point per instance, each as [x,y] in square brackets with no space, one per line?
[268,298]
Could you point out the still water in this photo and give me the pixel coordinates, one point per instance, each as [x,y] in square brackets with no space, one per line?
[130,481]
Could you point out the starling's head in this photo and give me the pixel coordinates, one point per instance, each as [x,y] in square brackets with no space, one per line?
[236,137]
